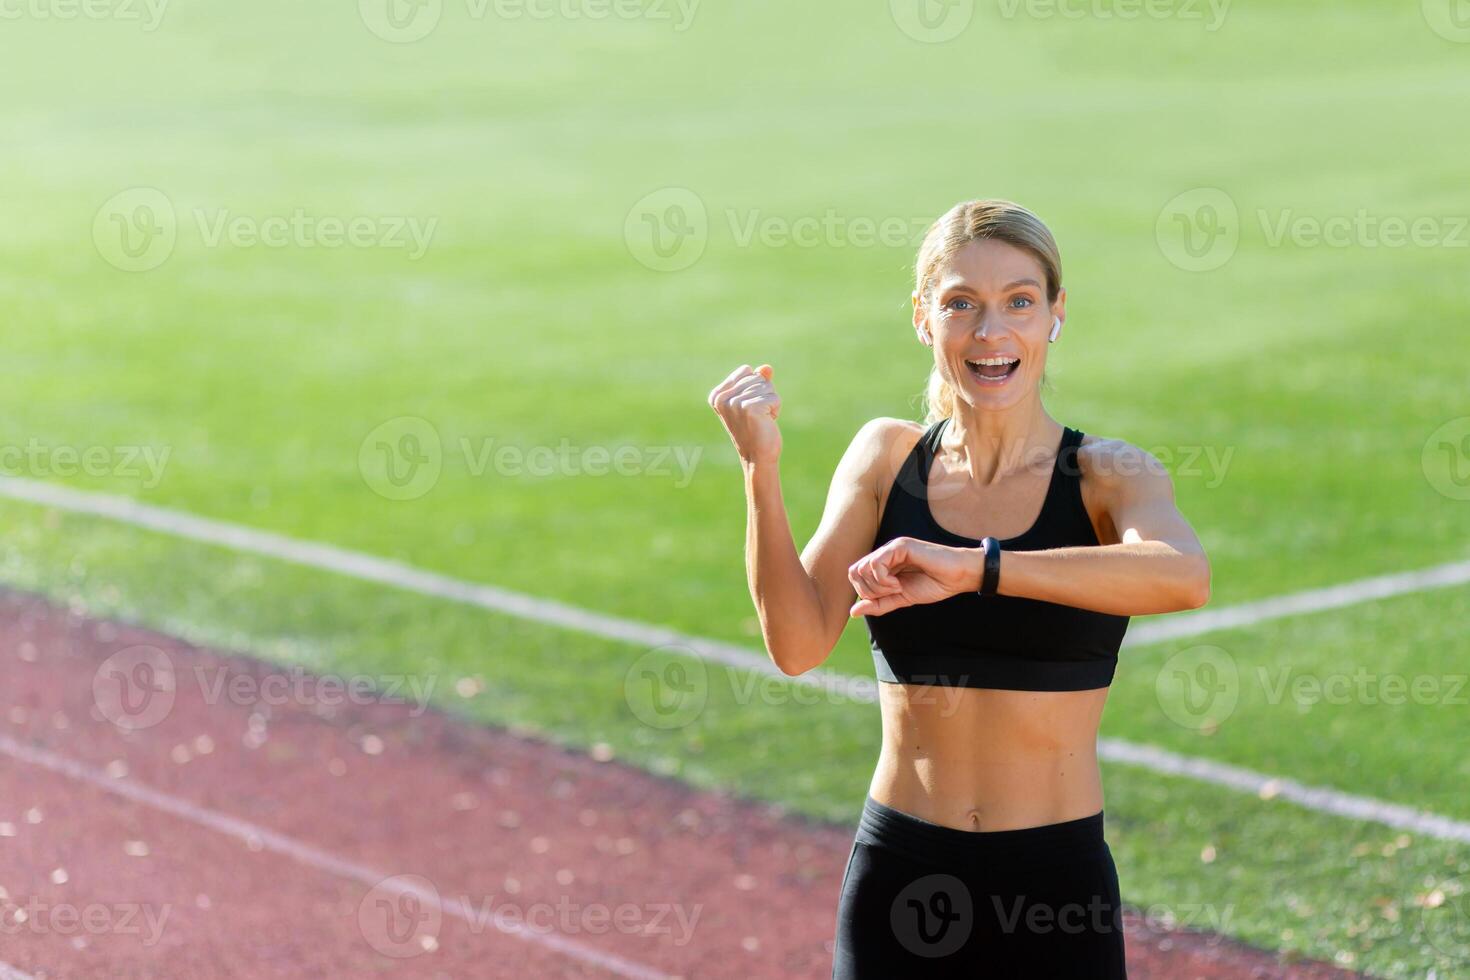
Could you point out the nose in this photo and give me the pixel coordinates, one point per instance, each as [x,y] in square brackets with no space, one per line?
[984,331]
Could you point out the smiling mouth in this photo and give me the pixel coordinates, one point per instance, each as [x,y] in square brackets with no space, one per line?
[993,370]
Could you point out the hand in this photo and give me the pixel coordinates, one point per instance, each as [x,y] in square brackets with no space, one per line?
[910,572]
[747,404]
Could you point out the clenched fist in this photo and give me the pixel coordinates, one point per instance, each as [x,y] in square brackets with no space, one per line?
[911,572]
[747,404]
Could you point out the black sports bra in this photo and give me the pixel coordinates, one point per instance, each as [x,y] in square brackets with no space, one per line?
[1002,642]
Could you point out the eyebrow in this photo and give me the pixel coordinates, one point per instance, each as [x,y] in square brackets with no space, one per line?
[959,283]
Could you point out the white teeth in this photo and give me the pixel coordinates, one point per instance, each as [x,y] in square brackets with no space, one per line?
[1009,362]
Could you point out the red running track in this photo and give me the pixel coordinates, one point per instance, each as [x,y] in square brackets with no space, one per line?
[167,811]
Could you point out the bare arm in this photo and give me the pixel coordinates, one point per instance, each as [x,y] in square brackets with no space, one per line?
[793,597]
[1156,566]
[801,599]
[786,599]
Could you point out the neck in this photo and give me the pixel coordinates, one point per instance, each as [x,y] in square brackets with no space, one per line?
[994,444]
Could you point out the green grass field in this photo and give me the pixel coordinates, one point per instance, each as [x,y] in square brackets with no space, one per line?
[1294,387]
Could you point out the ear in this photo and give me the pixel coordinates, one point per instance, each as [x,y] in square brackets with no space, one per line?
[1059,312]
[921,322]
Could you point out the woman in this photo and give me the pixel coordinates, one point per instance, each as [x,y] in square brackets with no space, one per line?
[996,555]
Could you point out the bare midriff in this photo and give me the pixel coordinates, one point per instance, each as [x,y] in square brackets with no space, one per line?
[982,759]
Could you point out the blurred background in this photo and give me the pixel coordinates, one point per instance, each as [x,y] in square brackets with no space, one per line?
[447,283]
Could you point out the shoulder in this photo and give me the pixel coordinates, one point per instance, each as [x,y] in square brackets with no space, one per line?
[878,449]
[1115,466]
[883,433]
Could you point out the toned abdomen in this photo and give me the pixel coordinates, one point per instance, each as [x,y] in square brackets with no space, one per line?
[981,759]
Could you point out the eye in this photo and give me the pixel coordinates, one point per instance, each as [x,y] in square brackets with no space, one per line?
[960,304]
[1022,302]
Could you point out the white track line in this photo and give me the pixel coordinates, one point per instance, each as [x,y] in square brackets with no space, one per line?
[8,972]
[370,568]
[1185,625]
[399,575]
[259,837]
[1320,799]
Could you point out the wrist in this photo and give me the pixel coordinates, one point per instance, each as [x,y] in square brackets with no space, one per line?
[974,569]
[758,471]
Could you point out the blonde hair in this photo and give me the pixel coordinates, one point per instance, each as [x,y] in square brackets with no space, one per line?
[971,221]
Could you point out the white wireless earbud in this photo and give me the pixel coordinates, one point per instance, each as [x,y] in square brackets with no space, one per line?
[1056,328]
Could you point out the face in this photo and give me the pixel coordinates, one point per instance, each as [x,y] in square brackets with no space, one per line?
[987,319]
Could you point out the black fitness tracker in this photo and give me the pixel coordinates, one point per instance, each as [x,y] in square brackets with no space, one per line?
[990,577]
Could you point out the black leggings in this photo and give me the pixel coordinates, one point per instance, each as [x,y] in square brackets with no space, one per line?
[923,900]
